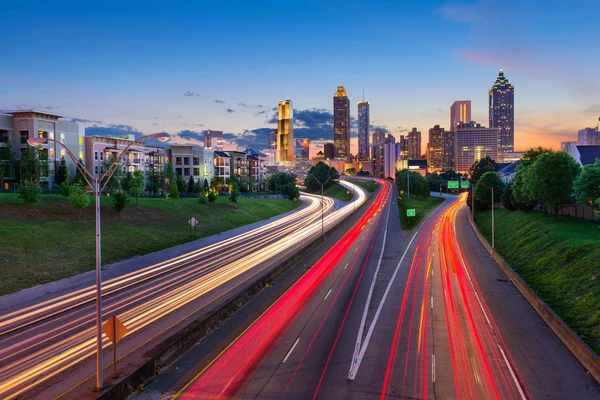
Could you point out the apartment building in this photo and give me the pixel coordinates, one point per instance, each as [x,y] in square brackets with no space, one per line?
[222,165]
[191,160]
[18,126]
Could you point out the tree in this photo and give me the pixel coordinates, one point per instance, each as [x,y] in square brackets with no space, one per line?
[173,191]
[120,200]
[30,191]
[418,184]
[205,186]
[507,199]
[202,199]
[450,175]
[155,180]
[435,182]
[79,197]
[169,177]
[235,193]
[587,184]
[78,177]
[190,186]
[480,167]
[113,183]
[30,164]
[320,173]
[136,186]
[351,171]
[212,197]
[551,179]
[66,187]
[197,187]
[7,162]
[483,193]
[126,181]
[181,185]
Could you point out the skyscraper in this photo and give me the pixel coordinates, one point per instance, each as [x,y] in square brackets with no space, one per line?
[448,162]
[413,142]
[273,139]
[472,142]
[436,150]
[341,124]
[302,149]
[363,130]
[502,113]
[460,111]
[587,136]
[328,151]
[213,138]
[285,132]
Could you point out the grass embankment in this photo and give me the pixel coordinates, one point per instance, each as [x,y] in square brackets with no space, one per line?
[50,240]
[560,260]
[422,207]
[369,186]
[336,191]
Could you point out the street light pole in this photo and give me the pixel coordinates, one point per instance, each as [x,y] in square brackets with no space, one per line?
[93,183]
[322,203]
[408,182]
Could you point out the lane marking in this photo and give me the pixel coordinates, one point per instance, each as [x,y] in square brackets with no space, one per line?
[292,349]
[356,249]
[328,293]
[433,368]
[431,301]
[346,266]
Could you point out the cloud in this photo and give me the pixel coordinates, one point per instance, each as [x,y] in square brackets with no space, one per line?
[259,113]
[242,104]
[185,123]
[85,121]
[190,94]
[126,128]
[593,109]
[402,129]
[155,118]
[230,110]
[383,128]
[219,102]
[179,116]
[187,135]
[259,106]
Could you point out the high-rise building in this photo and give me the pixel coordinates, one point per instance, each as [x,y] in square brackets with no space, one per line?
[285,132]
[378,136]
[341,124]
[413,142]
[460,111]
[273,139]
[588,136]
[448,150]
[436,149]
[566,146]
[302,149]
[502,113]
[329,151]
[363,130]
[403,148]
[472,142]
[213,139]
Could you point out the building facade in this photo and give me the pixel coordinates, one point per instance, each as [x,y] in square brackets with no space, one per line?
[364,123]
[222,166]
[329,151]
[413,143]
[213,139]
[448,161]
[588,137]
[436,149]
[18,126]
[285,132]
[472,142]
[190,160]
[273,139]
[567,146]
[460,112]
[302,149]
[341,124]
[502,113]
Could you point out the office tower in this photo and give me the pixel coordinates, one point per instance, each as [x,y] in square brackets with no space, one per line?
[448,150]
[472,142]
[436,149]
[285,132]
[460,111]
[587,136]
[378,136]
[413,143]
[567,146]
[213,138]
[363,130]
[390,155]
[502,113]
[302,149]
[341,124]
[329,151]
[273,139]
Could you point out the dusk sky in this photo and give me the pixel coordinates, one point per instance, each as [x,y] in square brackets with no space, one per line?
[189,66]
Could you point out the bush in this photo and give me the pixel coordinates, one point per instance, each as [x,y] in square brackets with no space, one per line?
[507,200]
[120,200]
[30,191]
[202,199]
[235,193]
[173,192]
[212,196]
[79,197]
[66,188]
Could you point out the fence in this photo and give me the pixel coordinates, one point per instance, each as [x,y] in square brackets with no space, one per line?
[575,210]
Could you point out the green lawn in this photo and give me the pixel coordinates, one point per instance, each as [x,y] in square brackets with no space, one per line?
[50,240]
[422,207]
[336,191]
[560,260]
[369,186]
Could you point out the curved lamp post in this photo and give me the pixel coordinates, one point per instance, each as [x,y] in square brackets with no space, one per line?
[94,182]
[322,188]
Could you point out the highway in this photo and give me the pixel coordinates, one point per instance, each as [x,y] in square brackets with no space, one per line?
[47,345]
[391,314]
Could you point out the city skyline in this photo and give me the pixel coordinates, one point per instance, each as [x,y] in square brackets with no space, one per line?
[237,91]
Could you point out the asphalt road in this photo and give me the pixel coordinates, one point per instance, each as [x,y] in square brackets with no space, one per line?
[47,339]
[423,315]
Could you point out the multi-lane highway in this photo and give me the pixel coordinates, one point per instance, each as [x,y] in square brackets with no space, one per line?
[47,342]
[389,314]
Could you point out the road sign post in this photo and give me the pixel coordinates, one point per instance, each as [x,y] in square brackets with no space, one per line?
[193,222]
[452,184]
[114,330]
[410,214]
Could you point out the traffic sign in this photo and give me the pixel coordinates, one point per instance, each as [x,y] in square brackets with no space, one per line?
[401,192]
[452,184]
[115,330]
[465,184]
[193,222]
[411,212]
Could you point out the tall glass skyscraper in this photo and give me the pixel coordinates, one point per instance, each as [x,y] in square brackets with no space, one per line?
[341,124]
[502,114]
[363,131]
[285,132]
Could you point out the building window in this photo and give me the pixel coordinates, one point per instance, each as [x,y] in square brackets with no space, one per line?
[24,136]
[3,136]
[186,161]
[196,160]
[95,155]
[52,154]
[81,155]
[95,170]
[196,171]
[101,156]
[62,137]
[177,160]
[186,171]
[51,135]
[62,153]
[81,140]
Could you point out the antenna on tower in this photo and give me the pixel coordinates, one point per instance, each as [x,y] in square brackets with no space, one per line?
[363,95]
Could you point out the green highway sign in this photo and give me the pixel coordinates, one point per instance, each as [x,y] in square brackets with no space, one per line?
[465,184]
[410,212]
[452,184]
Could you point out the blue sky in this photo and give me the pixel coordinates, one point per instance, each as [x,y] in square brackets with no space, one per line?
[131,63]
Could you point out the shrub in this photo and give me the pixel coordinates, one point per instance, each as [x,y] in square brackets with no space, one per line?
[173,191]
[202,199]
[79,197]
[66,188]
[235,193]
[212,196]
[30,191]
[120,200]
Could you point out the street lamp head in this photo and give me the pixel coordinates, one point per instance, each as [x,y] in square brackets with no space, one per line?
[35,142]
[162,136]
